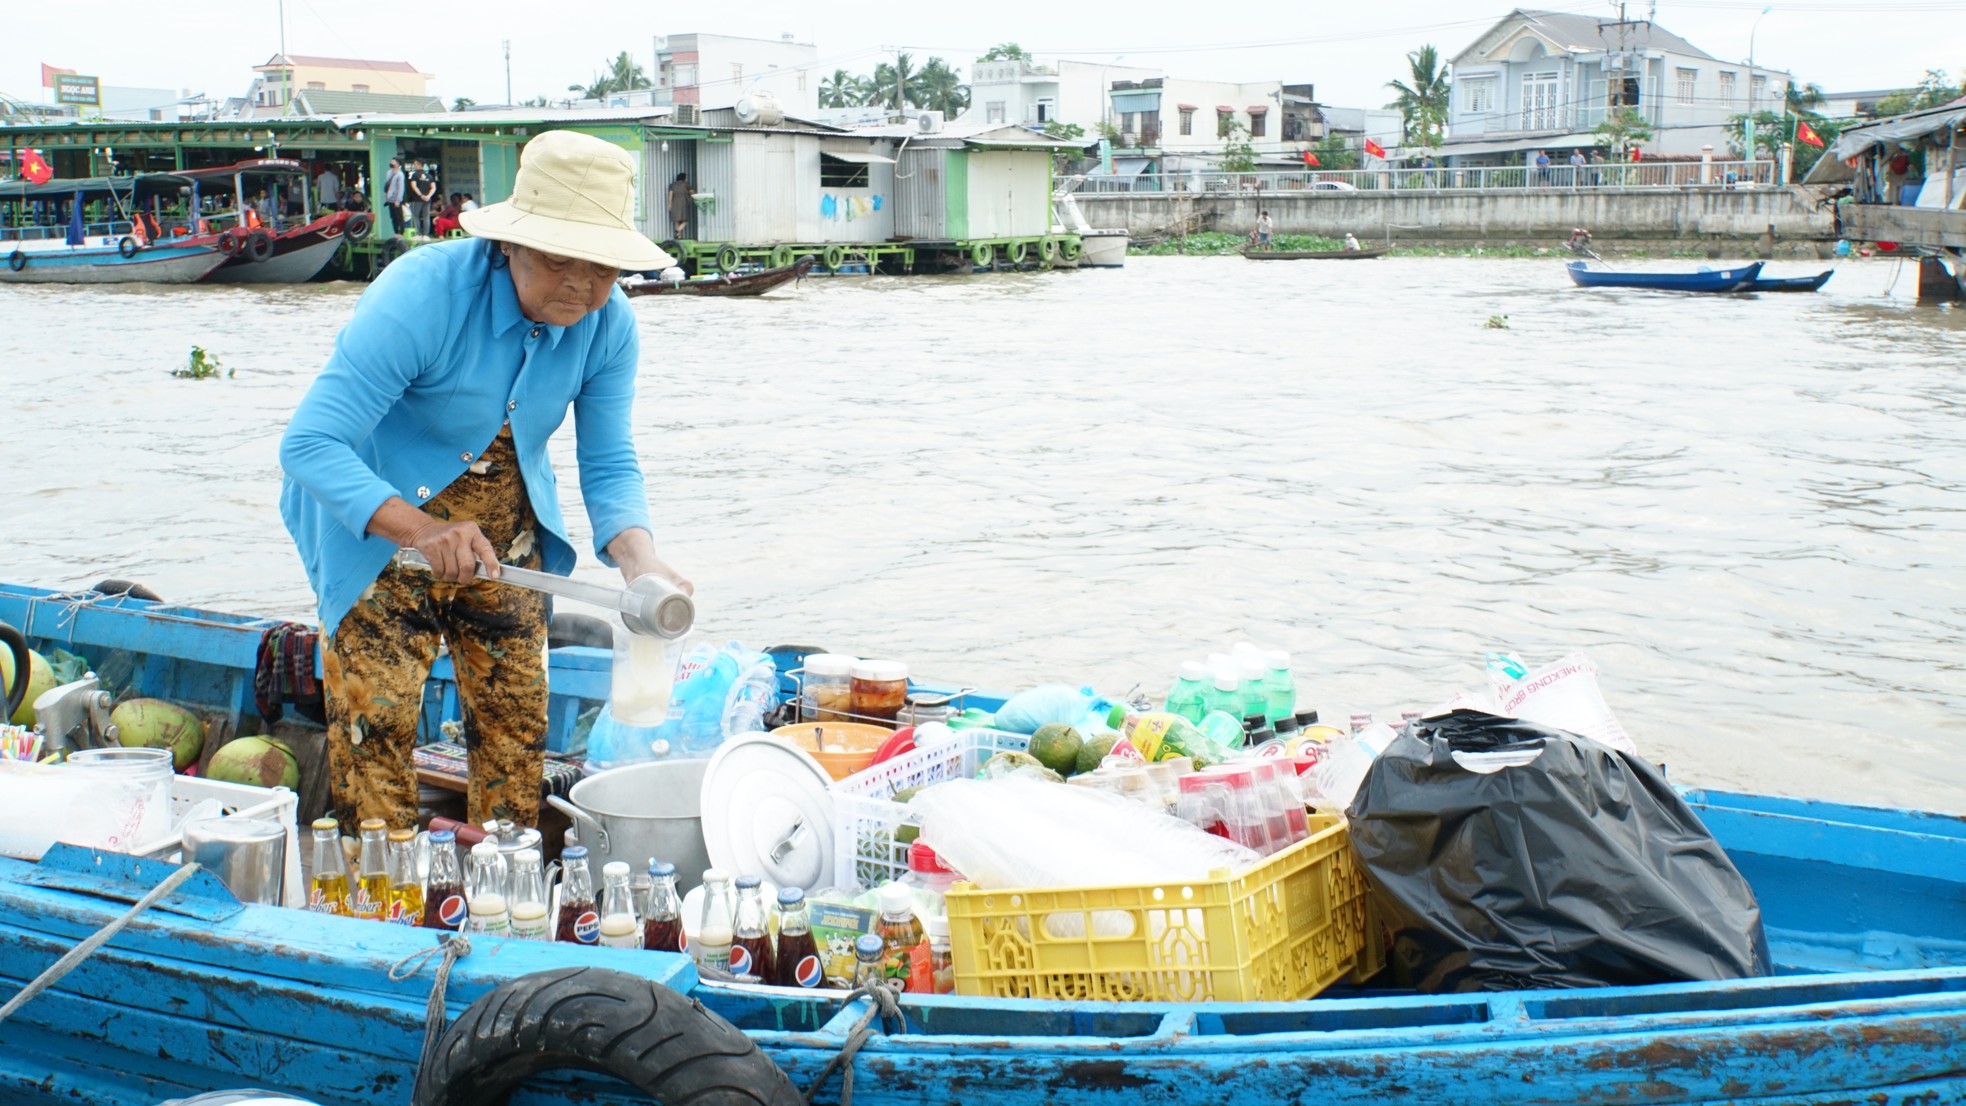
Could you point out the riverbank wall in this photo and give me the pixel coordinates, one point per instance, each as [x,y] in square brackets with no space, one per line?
[1766,222]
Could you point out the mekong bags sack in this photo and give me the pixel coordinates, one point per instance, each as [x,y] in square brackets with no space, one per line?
[1507,855]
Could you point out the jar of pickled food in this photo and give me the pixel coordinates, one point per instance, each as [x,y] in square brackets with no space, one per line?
[880,688]
[826,687]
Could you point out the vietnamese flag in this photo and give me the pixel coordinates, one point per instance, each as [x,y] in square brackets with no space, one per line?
[1805,133]
[48,74]
[1374,148]
[1311,160]
[34,168]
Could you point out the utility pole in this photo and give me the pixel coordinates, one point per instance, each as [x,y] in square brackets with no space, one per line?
[286,66]
[1747,124]
[1614,98]
[508,72]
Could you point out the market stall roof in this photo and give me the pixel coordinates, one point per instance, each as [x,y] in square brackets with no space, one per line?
[1856,141]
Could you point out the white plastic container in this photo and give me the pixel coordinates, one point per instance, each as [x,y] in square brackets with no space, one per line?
[826,687]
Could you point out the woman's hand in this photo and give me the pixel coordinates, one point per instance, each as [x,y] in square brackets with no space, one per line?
[455,550]
[634,551]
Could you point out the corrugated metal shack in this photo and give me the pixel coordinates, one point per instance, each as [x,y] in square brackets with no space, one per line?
[982,191]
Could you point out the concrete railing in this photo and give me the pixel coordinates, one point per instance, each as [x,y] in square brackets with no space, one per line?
[1617,176]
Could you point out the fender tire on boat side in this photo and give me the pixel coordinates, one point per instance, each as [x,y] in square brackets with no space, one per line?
[660,1042]
[1018,252]
[127,246]
[228,244]
[983,254]
[393,249]
[835,257]
[258,245]
[17,261]
[116,586]
[358,226]
[727,258]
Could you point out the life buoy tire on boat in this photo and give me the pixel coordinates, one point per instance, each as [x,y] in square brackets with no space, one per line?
[781,256]
[115,586]
[228,243]
[1071,249]
[358,226]
[1048,250]
[592,1019]
[983,254]
[1018,252]
[835,258]
[17,261]
[727,258]
[127,246]
[259,245]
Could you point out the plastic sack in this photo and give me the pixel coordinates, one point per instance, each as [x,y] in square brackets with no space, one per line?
[1510,855]
[1562,695]
[1025,711]
[717,691]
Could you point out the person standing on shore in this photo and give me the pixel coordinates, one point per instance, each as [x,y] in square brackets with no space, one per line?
[1263,229]
[428,430]
[392,195]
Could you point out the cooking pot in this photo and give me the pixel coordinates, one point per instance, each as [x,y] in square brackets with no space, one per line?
[642,811]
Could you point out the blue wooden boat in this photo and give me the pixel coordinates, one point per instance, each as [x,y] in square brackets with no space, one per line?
[1789,284]
[1865,911]
[80,232]
[1708,280]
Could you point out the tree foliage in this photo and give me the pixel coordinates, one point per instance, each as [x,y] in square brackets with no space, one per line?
[1622,129]
[1422,99]
[1006,51]
[1937,88]
[622,74]
[936,86]
[1238,156]
[1333,153]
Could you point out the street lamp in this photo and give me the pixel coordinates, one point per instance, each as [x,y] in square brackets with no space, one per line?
[1747,123]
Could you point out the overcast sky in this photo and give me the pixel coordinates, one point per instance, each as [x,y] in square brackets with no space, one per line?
[1348,49]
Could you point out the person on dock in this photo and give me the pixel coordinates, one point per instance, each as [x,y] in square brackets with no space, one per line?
[393,191]
[1577,164]
[428,430]
[327,188]
[1542,168]
[1264,227]
[423,193]
[681,200]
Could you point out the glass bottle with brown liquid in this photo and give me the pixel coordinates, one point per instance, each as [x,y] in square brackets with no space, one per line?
[443,895]
[795,962]
[750,946]
[580,914]
[662,926]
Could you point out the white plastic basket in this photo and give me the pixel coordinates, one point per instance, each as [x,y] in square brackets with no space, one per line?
[238,801]
[865,852]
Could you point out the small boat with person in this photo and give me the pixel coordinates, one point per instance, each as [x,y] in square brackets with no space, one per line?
[719,284]
[262,212]
[1735,279]
[1316,255]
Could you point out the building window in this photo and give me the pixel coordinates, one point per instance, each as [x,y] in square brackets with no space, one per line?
[1539,102]
[1223,121]
[1686,79]
[1623,92]
[317,86]
[1481,96]
[1757,90]
[838,172]
[1187,121]
[359,88]
[1044,111]
[993,112]
[1257,123]
[1727,88]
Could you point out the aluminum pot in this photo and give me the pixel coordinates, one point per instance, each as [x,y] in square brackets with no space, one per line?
[642,811]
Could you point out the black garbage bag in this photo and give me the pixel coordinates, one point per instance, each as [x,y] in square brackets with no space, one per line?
[1580,868]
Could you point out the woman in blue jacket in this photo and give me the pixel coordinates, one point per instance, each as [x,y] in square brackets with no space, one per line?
[427,430]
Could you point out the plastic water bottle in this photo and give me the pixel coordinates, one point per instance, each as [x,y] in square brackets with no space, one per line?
[1186,697]
[1225,694]
[1279,688]
[1223,728]
[1254,670]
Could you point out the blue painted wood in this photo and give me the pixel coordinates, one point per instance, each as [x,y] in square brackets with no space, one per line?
[1712,280]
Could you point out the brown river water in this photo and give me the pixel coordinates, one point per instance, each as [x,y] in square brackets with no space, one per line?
[1749,511]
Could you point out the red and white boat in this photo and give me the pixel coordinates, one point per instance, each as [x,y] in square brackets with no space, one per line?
[284,240]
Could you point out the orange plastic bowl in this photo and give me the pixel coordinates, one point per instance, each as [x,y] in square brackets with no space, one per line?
[848,746]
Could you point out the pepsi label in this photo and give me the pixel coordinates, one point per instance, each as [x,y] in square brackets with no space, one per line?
[740,960]
[808,973]
[587,927]
[452,912]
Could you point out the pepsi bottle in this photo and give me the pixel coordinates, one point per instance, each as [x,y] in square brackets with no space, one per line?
[443,897]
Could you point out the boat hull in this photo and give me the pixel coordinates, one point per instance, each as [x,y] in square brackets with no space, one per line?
[1317,255]
[747,284]
[1102,249]
[1711,280]
[294,261]
[107,265]
[1789,284]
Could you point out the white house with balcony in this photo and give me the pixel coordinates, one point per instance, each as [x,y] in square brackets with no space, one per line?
[1541,80]
[1020,91]
[715,71]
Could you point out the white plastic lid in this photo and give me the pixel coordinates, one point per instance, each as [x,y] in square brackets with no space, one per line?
[614,868]
[937,925]
[1194,671]
[768,809]
[828,664]
[1226,682]
[527,856]
[880,670]
[715,875]
[1252,665]
[895,898]
[484,847]
[1243,649]
[1279,659]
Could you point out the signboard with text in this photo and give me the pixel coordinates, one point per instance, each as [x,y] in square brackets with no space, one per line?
[71,88]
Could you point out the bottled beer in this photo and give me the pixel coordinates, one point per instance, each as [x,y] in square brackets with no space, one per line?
[715,930]
[750,947]
[405,889]
[443,897]
[528,900]
[485,893]
[327,888]
[796,961]
[619,927]
[580,914]
[372,888]
[662,925]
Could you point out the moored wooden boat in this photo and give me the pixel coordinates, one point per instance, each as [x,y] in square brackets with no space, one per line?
[1865,910]
[1789,284]
[724,284]
[1706,280]
[81,232]
[289,248]
[1316,255]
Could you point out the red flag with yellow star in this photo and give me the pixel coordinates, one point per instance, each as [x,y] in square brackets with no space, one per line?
[36,168]
[1806,133]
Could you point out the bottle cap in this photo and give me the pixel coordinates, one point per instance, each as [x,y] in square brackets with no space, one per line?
[789,897]
[880,670]
[896,899]
[828,664]
[658,869]
[614,869]
[1286,725]
[745,883]
[1194,671]
[571,852]
[868,947]
[715,875]
[402,835]
[1116,717]
[326,824]
[1253,721]
[922,858]
[526,856]
[1306,718]
[485,848]
[1279,659]
[373,825]
[1227,681]
[937,925]
[448,837]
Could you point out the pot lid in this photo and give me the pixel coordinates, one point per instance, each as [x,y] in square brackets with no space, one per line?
[768,811]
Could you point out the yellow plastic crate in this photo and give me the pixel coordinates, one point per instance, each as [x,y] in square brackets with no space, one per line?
[1286,928]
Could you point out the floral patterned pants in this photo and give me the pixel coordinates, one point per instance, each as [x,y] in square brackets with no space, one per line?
[377,659]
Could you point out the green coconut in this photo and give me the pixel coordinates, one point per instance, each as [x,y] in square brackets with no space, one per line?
[156,724]
[40,678]
[258,761]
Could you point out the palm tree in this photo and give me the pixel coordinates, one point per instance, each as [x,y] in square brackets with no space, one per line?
[1804,99]
[839,90]
[463,102]
[626,73]
[889,80]
[942,89]
[1422,105]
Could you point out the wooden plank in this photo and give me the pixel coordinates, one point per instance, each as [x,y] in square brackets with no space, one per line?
[1911,226]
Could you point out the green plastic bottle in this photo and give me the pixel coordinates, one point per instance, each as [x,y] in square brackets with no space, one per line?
[1279,688]
[1186,698]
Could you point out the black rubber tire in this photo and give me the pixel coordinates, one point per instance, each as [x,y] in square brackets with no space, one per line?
[835,258]
[16,643]
[127,246]
[571,628]
[781,256]
[259,245]
[728,258]
[393,249]
[661,1043]
[17,261]
[228,244]
[358,226]
[114,586]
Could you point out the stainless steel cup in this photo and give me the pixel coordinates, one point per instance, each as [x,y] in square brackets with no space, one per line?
[249,855]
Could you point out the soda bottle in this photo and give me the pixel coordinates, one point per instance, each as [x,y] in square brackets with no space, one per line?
[327,888]
[662,927]
[1279,689]
[405,889]
[796,960]
[750,947]
[528,900]
[1185,697]
[1160,735]
[716,928]
[443,896]
[899,930]
[868,969]
[580,914]
[620,929]
[372,889]
[485,893]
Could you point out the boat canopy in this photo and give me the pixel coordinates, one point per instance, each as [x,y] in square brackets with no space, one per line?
[280,165]
[146,184]
[1897,130]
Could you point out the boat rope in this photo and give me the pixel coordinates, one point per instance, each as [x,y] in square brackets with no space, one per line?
[455,947]
[74,957]
[881,1004]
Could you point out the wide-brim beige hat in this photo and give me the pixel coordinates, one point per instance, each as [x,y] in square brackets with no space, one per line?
[574,196]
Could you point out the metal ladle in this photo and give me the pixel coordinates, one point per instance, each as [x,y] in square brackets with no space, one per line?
[650,605]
